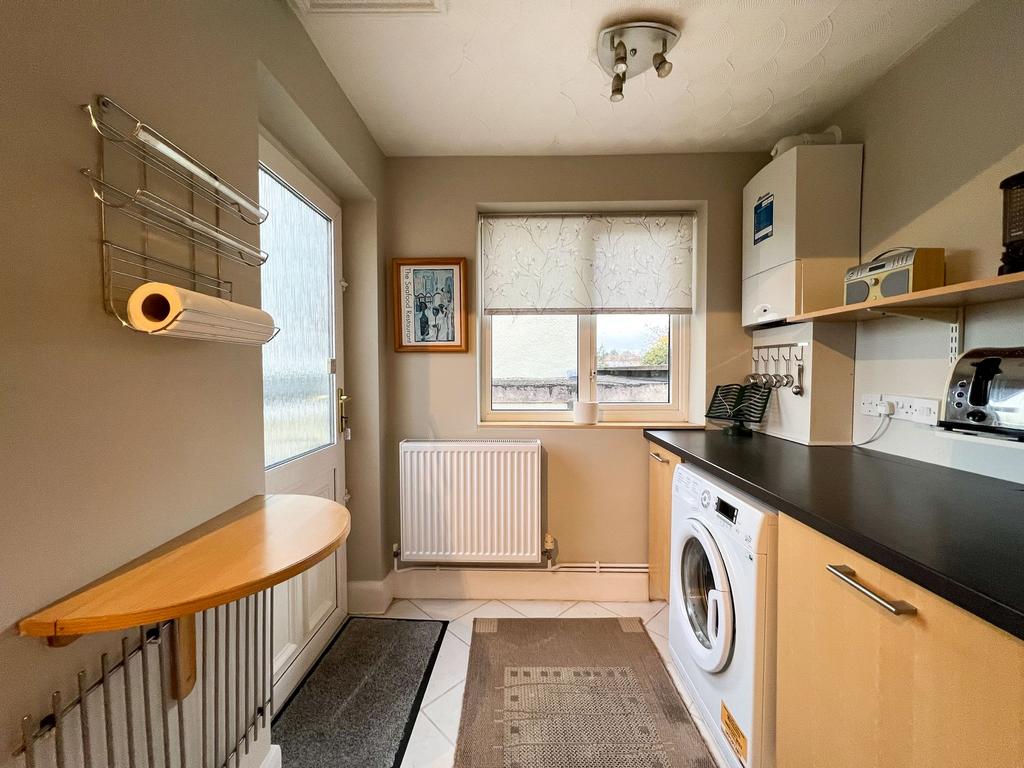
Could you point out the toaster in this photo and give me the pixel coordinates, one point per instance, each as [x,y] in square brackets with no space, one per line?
[985,392]
[894,273]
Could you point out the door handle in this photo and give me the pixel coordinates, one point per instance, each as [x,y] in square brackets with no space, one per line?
[714,602]
[846,574]
[342,401]
[657,457]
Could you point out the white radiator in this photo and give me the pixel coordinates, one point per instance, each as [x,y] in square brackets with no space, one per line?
[470,501]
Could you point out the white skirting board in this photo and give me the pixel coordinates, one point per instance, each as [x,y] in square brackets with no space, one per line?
[371,597]
[273,757]
[483,584]
[374,597]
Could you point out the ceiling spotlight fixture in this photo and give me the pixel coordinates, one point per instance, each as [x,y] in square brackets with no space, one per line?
[617,81]
[662,65]
[619,67]
[626,50]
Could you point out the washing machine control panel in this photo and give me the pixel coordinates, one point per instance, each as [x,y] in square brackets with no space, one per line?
[724,511]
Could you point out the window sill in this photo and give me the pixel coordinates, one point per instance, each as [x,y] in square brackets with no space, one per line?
[600,425]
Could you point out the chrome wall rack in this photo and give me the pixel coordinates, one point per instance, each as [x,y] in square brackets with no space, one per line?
[169,227]
[128,717]
[149,146]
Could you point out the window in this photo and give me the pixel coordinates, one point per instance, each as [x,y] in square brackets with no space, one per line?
[605,296]
[296,286]
[632,358]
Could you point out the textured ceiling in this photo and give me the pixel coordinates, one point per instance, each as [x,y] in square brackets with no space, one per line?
[504,77]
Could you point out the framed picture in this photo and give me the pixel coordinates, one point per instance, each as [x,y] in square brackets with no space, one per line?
[430,305]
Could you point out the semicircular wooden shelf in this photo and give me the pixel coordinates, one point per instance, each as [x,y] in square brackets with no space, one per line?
[251,547]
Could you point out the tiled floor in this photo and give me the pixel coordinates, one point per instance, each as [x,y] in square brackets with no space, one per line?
[437,726]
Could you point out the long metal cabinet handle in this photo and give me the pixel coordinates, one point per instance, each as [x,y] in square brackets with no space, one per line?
[657,457]
[846,574]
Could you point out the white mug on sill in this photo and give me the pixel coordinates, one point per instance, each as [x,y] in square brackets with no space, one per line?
[584,412]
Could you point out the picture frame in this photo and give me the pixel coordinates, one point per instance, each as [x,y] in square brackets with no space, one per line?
[429,298]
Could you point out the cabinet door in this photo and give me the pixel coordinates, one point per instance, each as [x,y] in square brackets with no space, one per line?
[957,693]
[829,656]
[859,686]
[659,526]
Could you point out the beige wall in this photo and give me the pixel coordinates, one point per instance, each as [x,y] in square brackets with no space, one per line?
[114,442]
[596,477]
[940,131]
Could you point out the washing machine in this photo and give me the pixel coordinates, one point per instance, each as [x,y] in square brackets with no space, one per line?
[722,612]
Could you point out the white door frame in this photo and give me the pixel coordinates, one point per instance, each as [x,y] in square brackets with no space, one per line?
[322,471]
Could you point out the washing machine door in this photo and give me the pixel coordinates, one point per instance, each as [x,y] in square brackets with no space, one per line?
[707,599]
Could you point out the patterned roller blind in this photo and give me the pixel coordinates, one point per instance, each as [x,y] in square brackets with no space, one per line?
[583,264]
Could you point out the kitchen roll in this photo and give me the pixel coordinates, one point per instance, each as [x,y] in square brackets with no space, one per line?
[162,309]
[584,413]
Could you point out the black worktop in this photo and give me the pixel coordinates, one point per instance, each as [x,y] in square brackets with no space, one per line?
[957,534]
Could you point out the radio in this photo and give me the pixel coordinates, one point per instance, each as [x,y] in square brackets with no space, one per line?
[894,273]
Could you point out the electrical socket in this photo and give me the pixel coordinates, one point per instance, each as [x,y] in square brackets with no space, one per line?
[921,410]
[875,405]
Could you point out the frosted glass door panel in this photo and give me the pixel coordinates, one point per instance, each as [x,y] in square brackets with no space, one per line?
[297,288]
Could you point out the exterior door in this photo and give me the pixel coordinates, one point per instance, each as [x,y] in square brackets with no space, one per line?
[302,374]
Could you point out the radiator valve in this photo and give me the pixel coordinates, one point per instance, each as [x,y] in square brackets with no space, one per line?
[549,547]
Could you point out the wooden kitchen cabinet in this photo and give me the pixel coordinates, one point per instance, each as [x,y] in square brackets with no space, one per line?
[661,466]
[860,687]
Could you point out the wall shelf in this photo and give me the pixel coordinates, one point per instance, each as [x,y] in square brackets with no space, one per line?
[924,304]
[251,547]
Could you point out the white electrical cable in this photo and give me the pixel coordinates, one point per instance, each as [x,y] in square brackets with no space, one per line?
[882,427]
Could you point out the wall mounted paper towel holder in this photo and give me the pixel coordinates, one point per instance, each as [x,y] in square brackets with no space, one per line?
[176,230]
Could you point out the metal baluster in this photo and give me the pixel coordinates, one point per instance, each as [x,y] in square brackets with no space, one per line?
[203,762]
[58,728]
[162,657]
[129,711]
[263,660]
[216,682]
[238,676]
[28,741]
[270,674]
[83,716]
[179,705]
[248,667]
[147,699]
[227,683]
[255,666]
[108,719]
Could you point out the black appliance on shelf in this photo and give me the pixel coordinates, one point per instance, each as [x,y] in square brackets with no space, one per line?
[1013,224]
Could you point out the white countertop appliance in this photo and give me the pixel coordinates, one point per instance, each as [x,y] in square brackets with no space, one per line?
[722,613]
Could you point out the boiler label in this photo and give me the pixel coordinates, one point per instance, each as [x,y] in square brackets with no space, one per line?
[764,217]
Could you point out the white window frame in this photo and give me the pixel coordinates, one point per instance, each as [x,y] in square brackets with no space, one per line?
[674,411]
[682,347]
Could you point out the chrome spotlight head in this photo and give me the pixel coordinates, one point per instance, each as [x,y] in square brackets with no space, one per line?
[617,82]
[662,65]
[620,65]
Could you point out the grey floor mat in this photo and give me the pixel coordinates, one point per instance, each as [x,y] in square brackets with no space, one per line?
[572,693]
[358,705]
